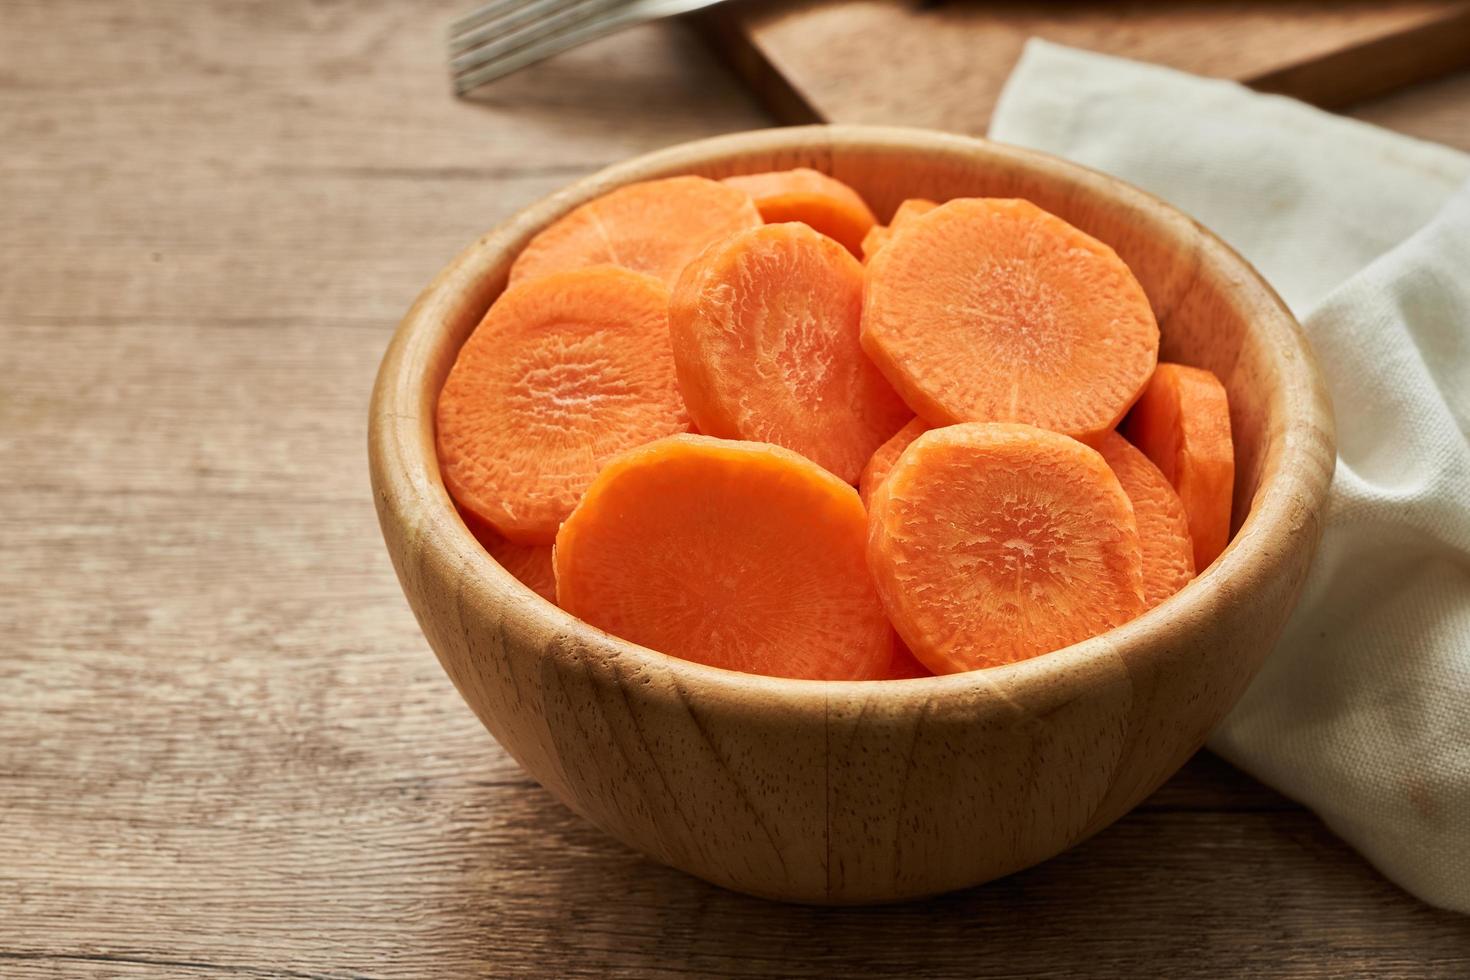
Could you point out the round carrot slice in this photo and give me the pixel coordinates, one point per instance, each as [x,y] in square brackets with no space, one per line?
[813,198]
[765,337]
[911,208]
[988,310]
[878,235]
[1163,527]
[904,665]
[886,455]
[564,372]
[875,239]
[1182,423]
[655,227]
[992,543]
[529,563]
[733,554]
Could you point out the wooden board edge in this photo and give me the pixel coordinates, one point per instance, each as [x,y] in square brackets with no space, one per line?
[723,31]
[1427,52]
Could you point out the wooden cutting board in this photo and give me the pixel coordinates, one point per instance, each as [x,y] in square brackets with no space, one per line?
[942,64]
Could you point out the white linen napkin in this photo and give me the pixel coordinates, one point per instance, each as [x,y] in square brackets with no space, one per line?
[1363,710]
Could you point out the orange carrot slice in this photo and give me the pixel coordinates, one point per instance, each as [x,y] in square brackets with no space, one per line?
[529,563]
[992,543]
[878,235]
[904,665]
[734,554]
[765,337]
[1163,527]
[885,456]
[565,372]
[824,203]
[994,310]
[911,208]
[875,239]
[1182,423]
[655,227]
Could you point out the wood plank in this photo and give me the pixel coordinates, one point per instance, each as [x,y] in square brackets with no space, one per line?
[159,186]
[942,65]
[1437,111]
[340,819]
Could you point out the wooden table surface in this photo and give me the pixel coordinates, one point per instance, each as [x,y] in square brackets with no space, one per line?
[225,749]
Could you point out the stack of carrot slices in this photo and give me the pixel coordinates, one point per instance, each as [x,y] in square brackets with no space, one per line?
[743,423]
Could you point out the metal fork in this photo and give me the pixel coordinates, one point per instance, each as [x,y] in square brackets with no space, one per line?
[506,35]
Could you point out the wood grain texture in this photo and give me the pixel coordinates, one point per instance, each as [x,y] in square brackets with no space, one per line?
[855,792]
[1437,111]
[225,749]
[942,65]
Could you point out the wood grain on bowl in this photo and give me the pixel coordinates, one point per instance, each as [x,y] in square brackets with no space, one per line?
[866,792]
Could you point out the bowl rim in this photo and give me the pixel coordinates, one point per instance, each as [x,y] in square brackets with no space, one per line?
[409,491]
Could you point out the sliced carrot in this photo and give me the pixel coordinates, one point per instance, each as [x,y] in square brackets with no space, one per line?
[565,372]
[734,554]
[813,198]
[882,460]
[1182,423]
[878,235]
[994,310]
[992,543]
[765,337]
[655,227]
[911,208]
[904,665]
[1163,527]
[875,239]
[529,563]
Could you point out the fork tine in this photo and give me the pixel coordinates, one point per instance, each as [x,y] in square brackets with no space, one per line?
[510,15]
[587,21]
[541,20]
[543,47]
[478,16]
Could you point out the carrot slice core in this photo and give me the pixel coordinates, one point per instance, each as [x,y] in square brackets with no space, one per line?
[565,372]
[992,543]
[765,337]
[994,310]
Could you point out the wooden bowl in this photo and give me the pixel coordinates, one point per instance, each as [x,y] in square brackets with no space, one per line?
[852,792]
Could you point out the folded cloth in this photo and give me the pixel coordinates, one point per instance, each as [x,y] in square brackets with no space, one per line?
[1362,712]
